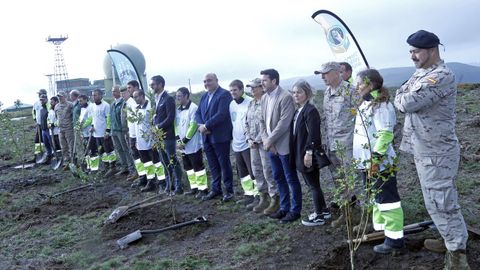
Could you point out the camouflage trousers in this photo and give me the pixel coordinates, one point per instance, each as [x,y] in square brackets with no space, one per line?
[66,142]
[437,179]
[262,171]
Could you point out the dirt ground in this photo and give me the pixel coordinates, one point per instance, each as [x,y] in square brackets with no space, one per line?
[67,232]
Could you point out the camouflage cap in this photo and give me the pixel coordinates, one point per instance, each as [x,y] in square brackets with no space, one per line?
[42,91]
[61,94]
[254,83]
[423,40]
[123,88]
[327,67]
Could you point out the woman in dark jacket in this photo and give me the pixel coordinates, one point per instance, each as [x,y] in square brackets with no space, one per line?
[305,140]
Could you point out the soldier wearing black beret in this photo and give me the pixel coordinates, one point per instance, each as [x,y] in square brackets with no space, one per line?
[428,101]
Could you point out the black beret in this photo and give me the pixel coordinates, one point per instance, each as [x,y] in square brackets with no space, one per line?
[423,39]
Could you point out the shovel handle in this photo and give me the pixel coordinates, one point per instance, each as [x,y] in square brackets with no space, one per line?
[70,190]
[144,201]
[143,205]
[176,226]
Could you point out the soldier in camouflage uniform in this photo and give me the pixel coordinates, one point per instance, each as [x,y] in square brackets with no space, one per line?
[428,101]
[338,119]
[262,169]
[63,110]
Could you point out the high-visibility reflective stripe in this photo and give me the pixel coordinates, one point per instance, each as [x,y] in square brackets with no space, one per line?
[190,172]
[95,162]
[248,185]
[378,227]
[200,173]
[388,206]
[201,180]
[393,234]
[148,164]
[150,170]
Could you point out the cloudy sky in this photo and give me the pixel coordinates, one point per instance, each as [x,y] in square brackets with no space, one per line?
[235,39]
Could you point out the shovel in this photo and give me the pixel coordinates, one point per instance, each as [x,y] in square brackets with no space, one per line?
[64,192]
[72,166]
[408,229]
[56,160]
[124,210]
[40,158]
[136,235]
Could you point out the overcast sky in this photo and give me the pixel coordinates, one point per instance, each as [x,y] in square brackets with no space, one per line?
[235,39]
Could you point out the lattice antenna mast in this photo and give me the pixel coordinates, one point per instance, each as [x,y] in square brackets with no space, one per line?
[60,71]
[51,85]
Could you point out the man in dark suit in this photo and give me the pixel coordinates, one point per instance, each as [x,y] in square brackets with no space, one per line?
[213,119]
[164,119]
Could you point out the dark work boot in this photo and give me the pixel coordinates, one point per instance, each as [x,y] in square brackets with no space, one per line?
[140,182]
[150,186]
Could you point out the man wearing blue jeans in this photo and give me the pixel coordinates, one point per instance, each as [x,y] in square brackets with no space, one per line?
[164,119]
[277,115]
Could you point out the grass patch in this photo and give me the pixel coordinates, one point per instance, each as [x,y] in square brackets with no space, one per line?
[5,199]
[230,207]
[274,244]
[413,206]
[112,263]
[79,259]
[188,263]
[254,231]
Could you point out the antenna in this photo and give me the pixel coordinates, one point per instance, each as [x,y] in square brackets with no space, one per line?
[60,75]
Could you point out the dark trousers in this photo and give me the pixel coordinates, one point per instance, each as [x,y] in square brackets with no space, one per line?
[244,163]
[193,161]
[100,146]
[170,162]
[38,135]
[386,184]
[146,155]
[133,148]
[218,157]
[47,141]
[312,179]
[288,183]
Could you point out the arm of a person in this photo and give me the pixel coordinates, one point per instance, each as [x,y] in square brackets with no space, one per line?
[314,137]
[283,124]
[384,120]
[198,114]
[222,113]
[170,110]
[423,94]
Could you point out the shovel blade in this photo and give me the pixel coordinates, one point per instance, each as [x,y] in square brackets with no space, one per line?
[40,158]
[56,163]
[73,169]
[124,241]
[116,214]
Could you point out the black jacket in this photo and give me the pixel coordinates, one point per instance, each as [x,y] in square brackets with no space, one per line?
[307,136]
[165,115]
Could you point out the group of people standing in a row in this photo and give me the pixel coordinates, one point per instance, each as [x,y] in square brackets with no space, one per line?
[275,136]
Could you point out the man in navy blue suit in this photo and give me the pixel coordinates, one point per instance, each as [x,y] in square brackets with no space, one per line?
[213,119]
[164,119]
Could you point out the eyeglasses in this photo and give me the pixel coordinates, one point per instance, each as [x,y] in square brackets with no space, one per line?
[207,80]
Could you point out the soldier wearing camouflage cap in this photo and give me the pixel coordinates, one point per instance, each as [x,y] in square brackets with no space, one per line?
[428,101]
[338,120]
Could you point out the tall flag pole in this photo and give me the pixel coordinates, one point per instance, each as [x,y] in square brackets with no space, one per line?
[341,40]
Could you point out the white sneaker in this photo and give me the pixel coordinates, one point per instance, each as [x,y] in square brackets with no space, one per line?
[314,220]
